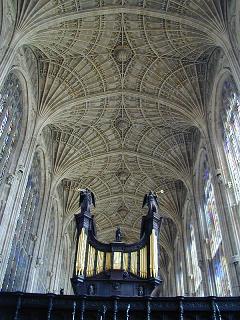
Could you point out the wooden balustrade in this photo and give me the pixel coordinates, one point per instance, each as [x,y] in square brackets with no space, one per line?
[27,306]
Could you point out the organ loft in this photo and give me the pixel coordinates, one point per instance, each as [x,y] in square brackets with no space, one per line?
[119,159]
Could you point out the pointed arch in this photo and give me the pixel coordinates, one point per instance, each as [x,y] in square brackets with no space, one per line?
[225,131]
[217,268]
[11,120]
[26,232]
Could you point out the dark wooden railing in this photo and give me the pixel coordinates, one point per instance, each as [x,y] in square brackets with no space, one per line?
[28,306]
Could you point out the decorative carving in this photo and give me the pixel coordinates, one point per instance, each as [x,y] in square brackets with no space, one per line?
[123,212]
[91,290]
[33,237]
[118,235]
[86,200]
[39,262]
[122,123]
[10,179]
[151,200]
[140,291]
[116,285]
[122,53]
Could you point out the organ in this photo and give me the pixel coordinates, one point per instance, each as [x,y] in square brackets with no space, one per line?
[116,268]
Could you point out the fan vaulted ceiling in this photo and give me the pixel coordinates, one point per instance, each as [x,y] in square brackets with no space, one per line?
[122,97]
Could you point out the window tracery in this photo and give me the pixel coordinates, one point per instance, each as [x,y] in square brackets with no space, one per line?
[230,117]
[45,271]
[196,271]
[218,260]
[179,271]
[11,109]
[210,210]
[25,236]
[221,273]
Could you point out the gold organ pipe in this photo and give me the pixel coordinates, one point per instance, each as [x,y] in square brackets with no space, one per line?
[91,260]
[117,256]
[81,252]
[134,262]
[108,261]
[117,260]
[153,255]
[143,262]
[100,256]
[125,261]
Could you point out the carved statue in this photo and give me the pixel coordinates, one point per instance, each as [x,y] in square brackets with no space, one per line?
[140,291]
[86,200]
[118,236]
[91,290]
[151,200]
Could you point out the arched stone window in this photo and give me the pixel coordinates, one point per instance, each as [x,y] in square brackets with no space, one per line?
[11,111]
[230,124]
[179,270]
[46,272]
[196,274]
[218,264]
[210,211]
[25,236]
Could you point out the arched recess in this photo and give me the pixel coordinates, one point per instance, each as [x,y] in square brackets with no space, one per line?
[13,124]
[208,210]
[26,232]
[46,271]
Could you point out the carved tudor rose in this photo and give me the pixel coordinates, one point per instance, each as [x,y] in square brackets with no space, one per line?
[122,53]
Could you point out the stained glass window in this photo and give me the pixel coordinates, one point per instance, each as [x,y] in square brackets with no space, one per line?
[218,260]
[196,271]
[46,272]
[10,120]
[210,209]
[230,116]
[179,268]
[25,236]
[221,273]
